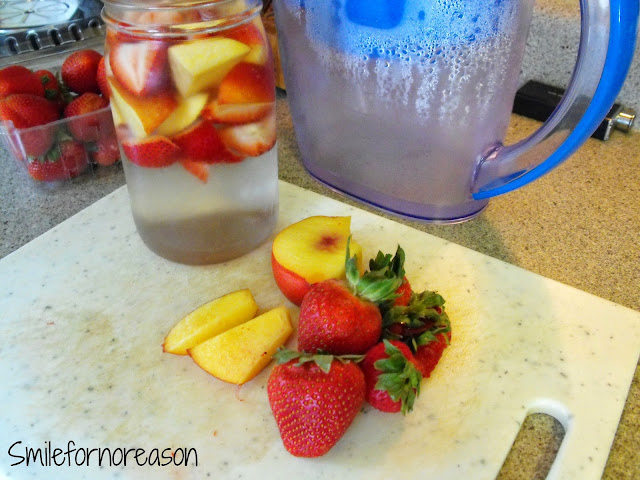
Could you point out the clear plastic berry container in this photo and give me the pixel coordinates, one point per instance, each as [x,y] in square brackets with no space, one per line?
[68,156]
[193,99]
[67,147]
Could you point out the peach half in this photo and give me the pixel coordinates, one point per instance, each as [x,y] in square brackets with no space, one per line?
[310,251]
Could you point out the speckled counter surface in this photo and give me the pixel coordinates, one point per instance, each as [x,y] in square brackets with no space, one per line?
[579,225]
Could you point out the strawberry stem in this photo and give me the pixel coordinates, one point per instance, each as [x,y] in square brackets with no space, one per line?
[419,322]
[392,267]
[321,359]
[377,286]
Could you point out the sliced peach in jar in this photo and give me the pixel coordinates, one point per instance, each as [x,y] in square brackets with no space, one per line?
[202,64]
[141,114]
[187,112]
[253,35]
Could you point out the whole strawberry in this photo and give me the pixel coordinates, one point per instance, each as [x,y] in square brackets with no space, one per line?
[344,318]
[19,79]
[314,400]
[52,89]
[68,160]
[423,325]
[101,78]
[106,151]
[80,71]
[392,377]
[50,84]
[26,111]
[428,355]
[404,292]
[85,128]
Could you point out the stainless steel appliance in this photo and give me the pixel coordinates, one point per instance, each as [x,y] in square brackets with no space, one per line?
[30,28]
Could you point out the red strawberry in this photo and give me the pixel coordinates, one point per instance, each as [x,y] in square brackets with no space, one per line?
[237,113]
[151,152]
[404,293]
[50,84]
[248,83]
[73,157]
[418,321]
[252,139]
[80,71]
[314,401]
[427,356]
[198,169]
[85,128]
[140,67]
[44,170]
[53,89]
[343,318]
[26,111]
[18,79]
[423,325]
[67,161]
[101,78]
[106,152]
[392,377]
[202,142]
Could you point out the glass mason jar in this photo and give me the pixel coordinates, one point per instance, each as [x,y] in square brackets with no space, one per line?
[192,95]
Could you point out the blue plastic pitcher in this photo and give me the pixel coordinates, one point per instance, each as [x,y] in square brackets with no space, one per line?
[404,104]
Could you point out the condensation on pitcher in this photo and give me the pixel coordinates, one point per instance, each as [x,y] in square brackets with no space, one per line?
[407,64]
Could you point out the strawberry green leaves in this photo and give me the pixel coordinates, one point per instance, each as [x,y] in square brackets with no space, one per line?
[377,286]
[322,360]
[399,377]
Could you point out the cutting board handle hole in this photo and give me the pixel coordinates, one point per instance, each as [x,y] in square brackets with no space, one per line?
[540,430]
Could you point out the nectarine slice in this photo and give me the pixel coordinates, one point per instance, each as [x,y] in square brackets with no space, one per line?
[202,64]
[239,354]
[209,320]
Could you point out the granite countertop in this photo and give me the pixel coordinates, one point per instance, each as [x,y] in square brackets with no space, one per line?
[579,225]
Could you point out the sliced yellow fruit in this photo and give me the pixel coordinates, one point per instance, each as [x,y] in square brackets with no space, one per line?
[141,114]
[315,247]
[184,115]
[209,320]
[117,116]
[201,64]
[239,354]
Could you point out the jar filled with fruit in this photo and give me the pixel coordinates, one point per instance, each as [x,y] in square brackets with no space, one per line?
[192,94]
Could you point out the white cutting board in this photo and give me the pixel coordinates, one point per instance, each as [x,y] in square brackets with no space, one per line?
[85,307]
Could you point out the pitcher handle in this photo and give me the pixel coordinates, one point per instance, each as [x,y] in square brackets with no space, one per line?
[607,39]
